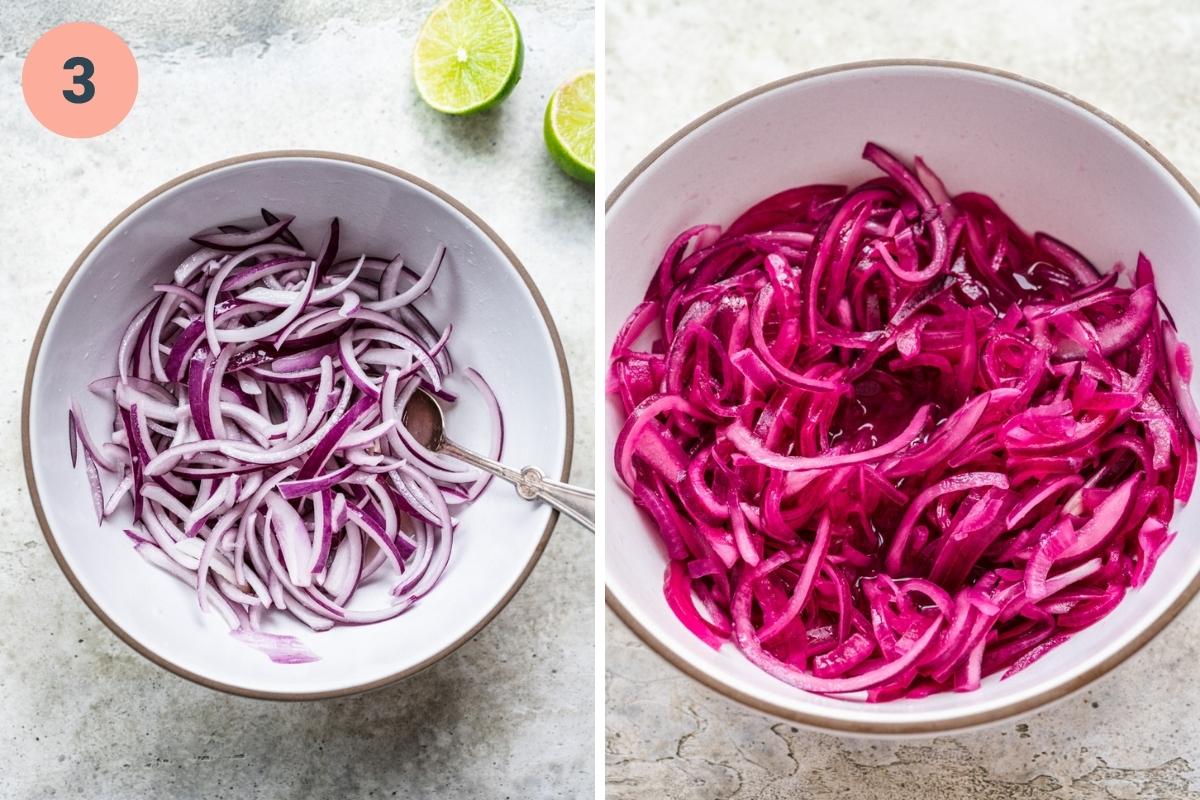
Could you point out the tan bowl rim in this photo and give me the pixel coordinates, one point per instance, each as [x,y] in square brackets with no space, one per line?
[933,726]
[269,155]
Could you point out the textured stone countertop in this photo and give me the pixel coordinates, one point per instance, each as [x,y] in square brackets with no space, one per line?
[83,716]
[1133,734]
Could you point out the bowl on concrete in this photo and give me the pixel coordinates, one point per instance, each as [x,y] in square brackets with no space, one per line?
[501,325]
[1054,163]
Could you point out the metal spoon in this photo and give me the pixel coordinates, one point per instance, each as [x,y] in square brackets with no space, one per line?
[424,419]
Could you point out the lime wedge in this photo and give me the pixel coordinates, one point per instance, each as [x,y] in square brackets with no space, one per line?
[468,56]
[571,126]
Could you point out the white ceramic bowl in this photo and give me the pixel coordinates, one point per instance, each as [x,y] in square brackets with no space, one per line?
[501,326]
[1053,162]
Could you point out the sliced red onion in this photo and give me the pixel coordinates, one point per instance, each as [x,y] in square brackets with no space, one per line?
[412,293]
[196,263]
[495,450]
[279,648]
[257,439]
[242,240]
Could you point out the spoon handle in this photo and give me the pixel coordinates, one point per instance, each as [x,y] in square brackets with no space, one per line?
[531,483]
[576,502]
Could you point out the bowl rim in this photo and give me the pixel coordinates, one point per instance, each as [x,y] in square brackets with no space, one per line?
[934,726]
[237,161]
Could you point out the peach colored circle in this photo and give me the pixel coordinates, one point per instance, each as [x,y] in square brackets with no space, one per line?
[44,78]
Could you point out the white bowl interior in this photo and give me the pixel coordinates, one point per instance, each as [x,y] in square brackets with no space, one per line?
[1050,163]
[498,328]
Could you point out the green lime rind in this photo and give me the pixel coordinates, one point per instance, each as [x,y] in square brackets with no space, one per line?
[468,56]
[569,127]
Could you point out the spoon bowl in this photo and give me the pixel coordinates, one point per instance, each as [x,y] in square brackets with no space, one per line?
[424,419]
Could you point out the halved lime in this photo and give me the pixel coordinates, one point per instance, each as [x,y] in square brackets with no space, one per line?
[468,56]
[571,126]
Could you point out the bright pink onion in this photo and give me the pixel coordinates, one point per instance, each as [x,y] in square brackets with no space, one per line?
[893,443]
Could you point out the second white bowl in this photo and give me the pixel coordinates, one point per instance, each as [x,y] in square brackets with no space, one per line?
[1054,163]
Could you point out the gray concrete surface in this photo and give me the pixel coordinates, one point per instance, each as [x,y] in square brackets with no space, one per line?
[1133,734]
[83,716]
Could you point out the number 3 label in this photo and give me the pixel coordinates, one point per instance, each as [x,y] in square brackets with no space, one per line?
[79,80]
[86,89]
